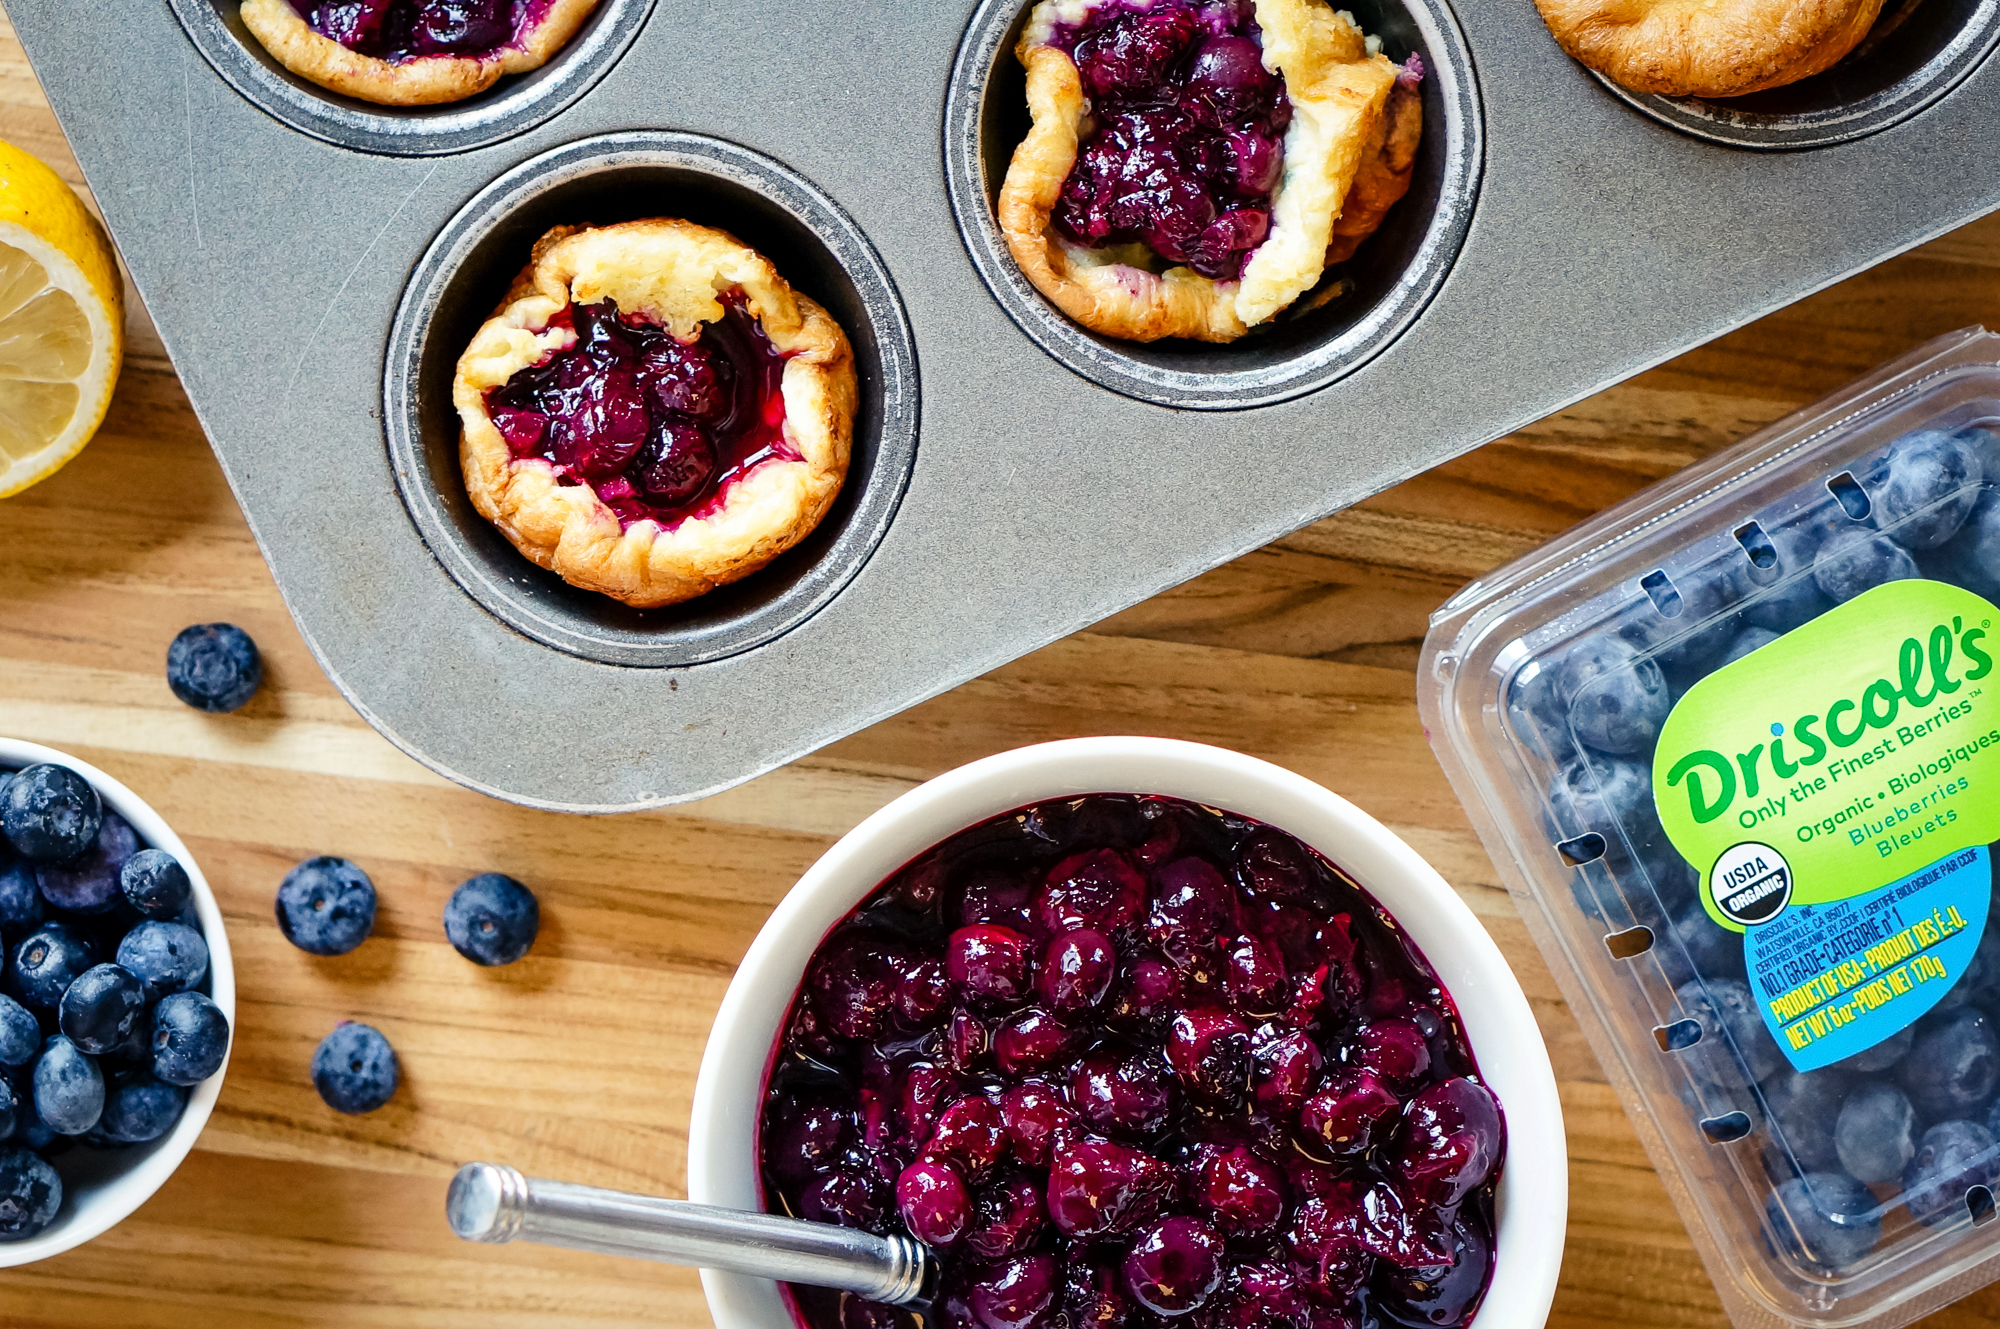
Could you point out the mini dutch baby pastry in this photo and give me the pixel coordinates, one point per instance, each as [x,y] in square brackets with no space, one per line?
[1194,166]
[1708,48]
[653,412]
[413,52]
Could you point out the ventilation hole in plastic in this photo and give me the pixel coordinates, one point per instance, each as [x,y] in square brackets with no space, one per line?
[1678,1036]
[1853,499]
[1728,1127]
[1629,943]
[1585,848]
[1661,592]
[1763,554]
[1979,1203]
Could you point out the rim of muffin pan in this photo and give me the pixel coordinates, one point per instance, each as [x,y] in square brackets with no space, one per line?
[1357,310]
[1917,53]
[514,105]
[462,278]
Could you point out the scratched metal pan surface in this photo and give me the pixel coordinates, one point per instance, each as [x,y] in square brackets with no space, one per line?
[307,262]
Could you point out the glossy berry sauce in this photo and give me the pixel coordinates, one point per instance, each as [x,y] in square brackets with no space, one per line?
[1186,146]
[397,30]
[659,428]
[1125,1061]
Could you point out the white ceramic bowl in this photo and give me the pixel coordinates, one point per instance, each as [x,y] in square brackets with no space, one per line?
[1533,1198]
[100,1187]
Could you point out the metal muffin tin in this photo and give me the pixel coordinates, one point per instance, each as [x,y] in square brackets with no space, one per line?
[306,271]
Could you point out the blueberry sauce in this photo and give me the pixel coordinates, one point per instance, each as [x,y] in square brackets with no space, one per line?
[659,428]
[1124,1061]
[397,30]
[1186,145]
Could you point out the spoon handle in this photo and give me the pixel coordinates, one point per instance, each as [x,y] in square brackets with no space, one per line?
[494,1203]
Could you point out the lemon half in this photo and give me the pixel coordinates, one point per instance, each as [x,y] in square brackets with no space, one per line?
[62,322]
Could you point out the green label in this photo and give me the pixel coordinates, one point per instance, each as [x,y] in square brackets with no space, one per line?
[1844,756]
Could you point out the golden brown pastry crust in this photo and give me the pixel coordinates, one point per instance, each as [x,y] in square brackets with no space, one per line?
[1386,166]
[673,272]
[1708,48]
[424,81]
[1338,92]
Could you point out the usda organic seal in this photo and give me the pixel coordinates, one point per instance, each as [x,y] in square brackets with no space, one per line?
[1751,882]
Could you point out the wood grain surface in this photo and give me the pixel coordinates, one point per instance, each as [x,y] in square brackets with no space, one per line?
[579,1061]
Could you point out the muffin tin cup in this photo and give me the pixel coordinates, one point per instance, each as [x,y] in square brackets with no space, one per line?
[1917,52]
[1319,340]
[512,106]
[617,177]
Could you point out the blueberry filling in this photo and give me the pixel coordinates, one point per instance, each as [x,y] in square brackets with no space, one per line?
[659,428]
[1186,144]
[1126,1061]
[396,30]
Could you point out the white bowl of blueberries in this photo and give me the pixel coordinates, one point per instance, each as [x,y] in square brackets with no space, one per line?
[116,1002]
[1134,1032]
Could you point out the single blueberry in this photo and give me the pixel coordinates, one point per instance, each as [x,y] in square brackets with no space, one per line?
[141,1108]
[1728,1016]
[326,906]
[1801,1107]
[1953,1067]
[88,883]
[30,1194]
[1883,1055]
[101,1009]
[46,962]
[190,1038]
[155,883]
[1952,1158]
[1826,1220]
[1928,488]
[167,957]
[1876,1133]
[1751,638]
[50,813]
[1972,557]
[492,919]
[69,1088]
[214,666]
[1860,562]
[355,1069]
[21,904]
[20,1034]
[1612,797]
[1618,699]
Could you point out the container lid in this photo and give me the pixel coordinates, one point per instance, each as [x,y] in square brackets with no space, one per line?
[1735,746]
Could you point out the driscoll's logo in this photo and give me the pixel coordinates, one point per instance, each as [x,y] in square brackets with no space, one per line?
[1713,781]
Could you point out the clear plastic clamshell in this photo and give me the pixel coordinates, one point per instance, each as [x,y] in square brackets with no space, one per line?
[1732,745]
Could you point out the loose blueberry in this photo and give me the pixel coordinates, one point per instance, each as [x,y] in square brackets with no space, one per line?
[1928,489]
[1801,1108]
[190,1038]
[1099,889]
[1031,1039]
[69,1088]
[1343,1117]
[1191,907]
[1174,1266]
[50,813]
[1209,1049]
[214,667]
[1097,1187]
[1008,1215]
[167,957]
[1123,1093]
[971,1135]
[1952,1158]
[1446,1295]
[355,1069]
[88,883]
[1449,1141]
[30,1194]
[20,1034]
[492,919]
[934,1203]
[1077,970]
[1245,1194]
[990,961]
[21,904]
[46,962]
[1875,1135]
[1953,1067]
[1015,1294]
[1859,562]
[326,906]
[1032,1112]
[101,1009]
[1618,699]
[140,1109]
[154,882]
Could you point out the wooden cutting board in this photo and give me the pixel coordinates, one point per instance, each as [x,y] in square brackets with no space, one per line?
[579,1061]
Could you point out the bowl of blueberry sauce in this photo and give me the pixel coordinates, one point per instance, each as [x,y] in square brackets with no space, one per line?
[1135,1032]
[120,915]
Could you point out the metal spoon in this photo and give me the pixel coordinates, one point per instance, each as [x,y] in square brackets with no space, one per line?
[494,1203]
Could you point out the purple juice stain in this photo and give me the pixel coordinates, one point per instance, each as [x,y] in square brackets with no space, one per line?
[657,427]
[1265,1115]
[1187,145]
[399,30]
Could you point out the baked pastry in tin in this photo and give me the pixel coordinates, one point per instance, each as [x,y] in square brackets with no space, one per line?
[1192,168]
[413,52]
[653,411]
[1708,48]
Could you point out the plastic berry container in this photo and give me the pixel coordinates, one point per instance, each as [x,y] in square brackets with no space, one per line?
[745,1051]
[1735,747]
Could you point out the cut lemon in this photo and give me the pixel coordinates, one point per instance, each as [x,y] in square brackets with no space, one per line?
[62,322]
